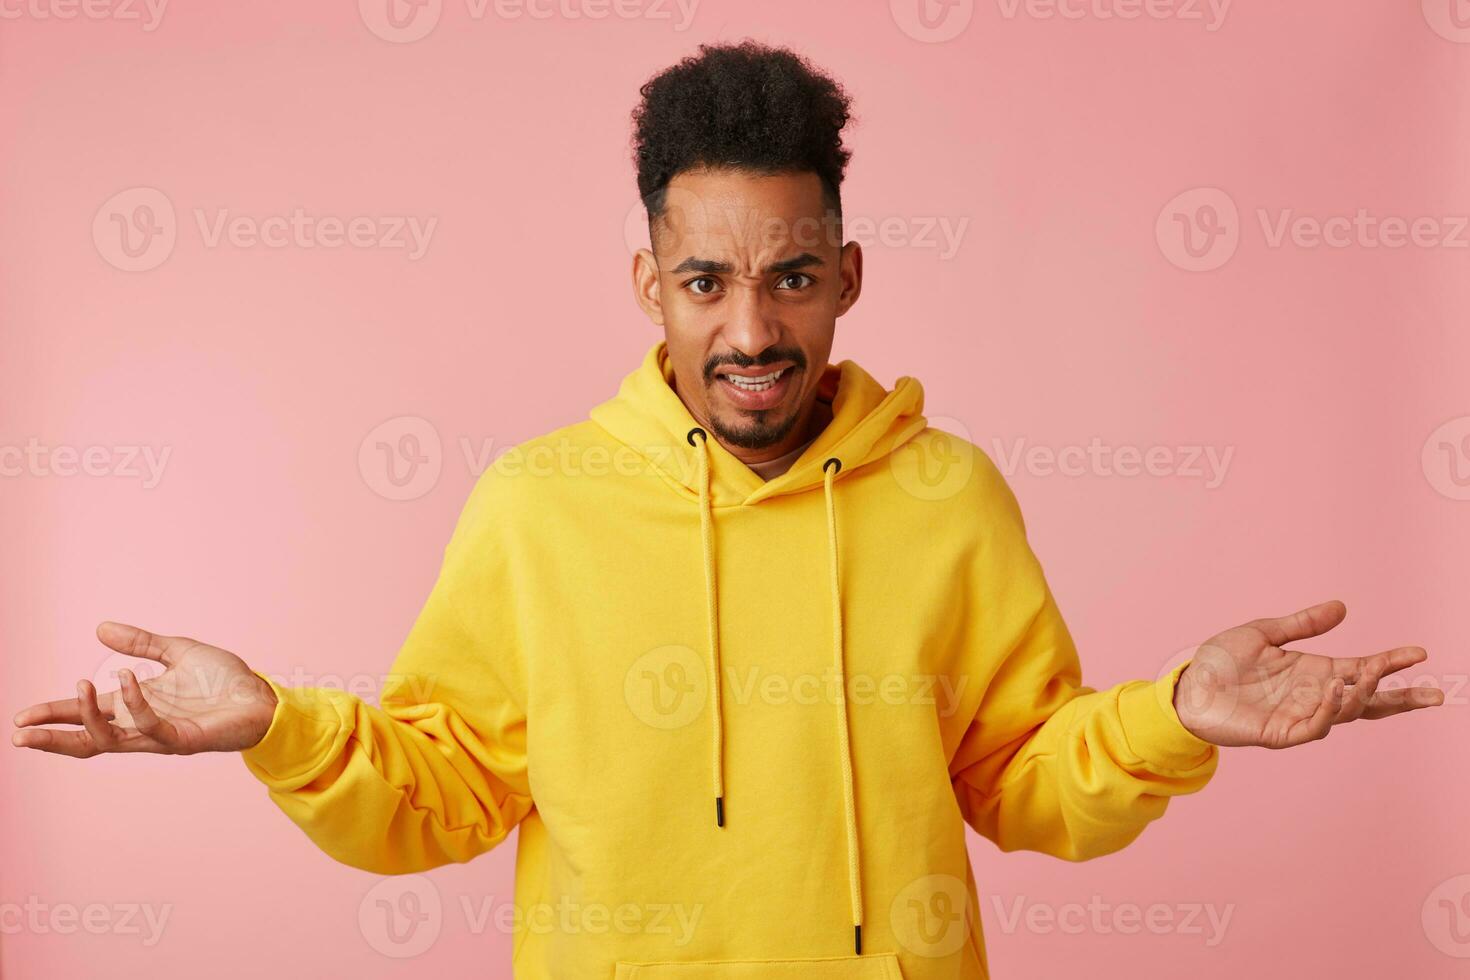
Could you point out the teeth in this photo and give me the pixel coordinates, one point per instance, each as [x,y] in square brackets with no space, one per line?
[757,383]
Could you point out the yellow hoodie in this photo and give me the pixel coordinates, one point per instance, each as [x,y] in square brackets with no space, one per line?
[740,724]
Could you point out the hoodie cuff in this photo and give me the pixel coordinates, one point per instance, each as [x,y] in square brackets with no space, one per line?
[305,729]
[1153,729]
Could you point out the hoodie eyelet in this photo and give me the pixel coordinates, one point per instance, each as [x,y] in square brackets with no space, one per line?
[832,461]
[690,435]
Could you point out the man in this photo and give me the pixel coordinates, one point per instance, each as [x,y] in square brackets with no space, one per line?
[730,645]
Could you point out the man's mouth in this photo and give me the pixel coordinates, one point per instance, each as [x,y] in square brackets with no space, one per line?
[755,388]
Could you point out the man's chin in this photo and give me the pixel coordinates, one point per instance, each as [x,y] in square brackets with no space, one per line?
[746,430]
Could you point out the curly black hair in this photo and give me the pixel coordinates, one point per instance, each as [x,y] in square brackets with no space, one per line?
[746,106]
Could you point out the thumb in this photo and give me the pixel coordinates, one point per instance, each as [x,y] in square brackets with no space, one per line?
[1304,624]
[134,642]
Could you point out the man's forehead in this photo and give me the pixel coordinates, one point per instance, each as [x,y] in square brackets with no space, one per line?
[738,233]
[735,209]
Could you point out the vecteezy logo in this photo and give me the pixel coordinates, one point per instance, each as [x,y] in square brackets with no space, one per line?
[1446,917]
[666,687]
[1199,229]
[400,21]
[937,463]
[1446,458]
[1450,19]
[105,678]
[929,915]
[932,21]
[402,916]
[135,229]
[401,458]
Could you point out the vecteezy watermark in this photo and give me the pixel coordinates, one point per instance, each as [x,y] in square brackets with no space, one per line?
[400,459]
[1446,458]
[930,916]
[406,21]
[935,463]
[148,13]
[675,920]
[943,235]
[124,462]
[218,683]
[1208,13]
[667,687]
[1101,918]
[39,918]
[935,21]
[932,21]
[136,230]
[1446,916]
[895,688]
[1207,464]
[1450,19]
[1200,229]
[403,916]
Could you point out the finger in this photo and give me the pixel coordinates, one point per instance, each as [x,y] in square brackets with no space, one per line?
[145,719]
[58,741]
[1402,699]
[67,711]
[1309,622]
[1320,723]
[78,744]
[1356,701]
[135,642]
[104,734]
[1348,668]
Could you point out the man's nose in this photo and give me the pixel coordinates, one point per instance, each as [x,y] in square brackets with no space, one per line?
[751,325]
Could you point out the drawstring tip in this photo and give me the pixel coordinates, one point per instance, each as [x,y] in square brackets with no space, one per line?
[719,811]
[857,940]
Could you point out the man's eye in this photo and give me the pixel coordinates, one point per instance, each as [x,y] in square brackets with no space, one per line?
[694,285]
[801,279]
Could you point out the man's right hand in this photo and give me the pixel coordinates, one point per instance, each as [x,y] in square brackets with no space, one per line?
[206,700]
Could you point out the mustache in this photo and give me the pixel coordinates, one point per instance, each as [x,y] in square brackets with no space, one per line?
[771,355]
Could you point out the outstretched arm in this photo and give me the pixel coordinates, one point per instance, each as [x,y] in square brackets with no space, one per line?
[436,774]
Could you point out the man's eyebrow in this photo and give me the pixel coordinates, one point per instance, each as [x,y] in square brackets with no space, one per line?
[713,267]
[802,261]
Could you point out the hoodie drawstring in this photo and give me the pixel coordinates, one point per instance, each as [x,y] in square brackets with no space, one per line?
[830,469]
[707,533]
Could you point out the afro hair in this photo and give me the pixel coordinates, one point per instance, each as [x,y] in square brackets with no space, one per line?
[744,106]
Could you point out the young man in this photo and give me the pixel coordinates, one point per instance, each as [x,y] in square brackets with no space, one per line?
[733,645]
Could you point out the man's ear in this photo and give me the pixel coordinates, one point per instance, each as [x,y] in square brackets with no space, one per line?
[646,285]
[850,268]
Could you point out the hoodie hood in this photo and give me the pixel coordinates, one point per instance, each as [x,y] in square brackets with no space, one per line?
[868,423]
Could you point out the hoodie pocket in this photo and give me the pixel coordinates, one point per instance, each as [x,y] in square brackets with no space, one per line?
[874,967]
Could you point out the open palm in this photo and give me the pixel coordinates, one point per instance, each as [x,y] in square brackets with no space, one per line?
[1242,687]
[206,700]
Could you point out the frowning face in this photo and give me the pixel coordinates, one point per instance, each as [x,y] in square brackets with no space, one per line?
[747,276]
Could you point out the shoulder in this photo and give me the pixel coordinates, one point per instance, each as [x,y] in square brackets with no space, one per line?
[521,481]
[956,474]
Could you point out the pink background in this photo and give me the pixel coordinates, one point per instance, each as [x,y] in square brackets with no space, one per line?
[1063,316]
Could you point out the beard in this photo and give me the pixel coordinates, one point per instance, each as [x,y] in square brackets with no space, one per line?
[754,429]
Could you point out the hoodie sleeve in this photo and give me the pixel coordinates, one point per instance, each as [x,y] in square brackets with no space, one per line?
[437,774]
[1046,763]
